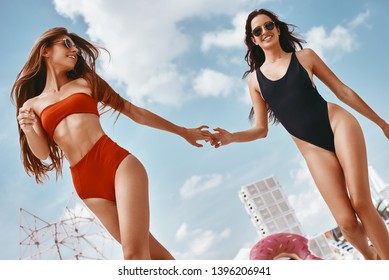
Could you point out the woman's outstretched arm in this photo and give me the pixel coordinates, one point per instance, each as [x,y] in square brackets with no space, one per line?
[260,128]
[342,91]
[145,117]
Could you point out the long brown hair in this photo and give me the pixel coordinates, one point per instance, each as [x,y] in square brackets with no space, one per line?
[255,56]
[31,81]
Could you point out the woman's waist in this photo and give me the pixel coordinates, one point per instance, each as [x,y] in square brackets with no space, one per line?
[75,147]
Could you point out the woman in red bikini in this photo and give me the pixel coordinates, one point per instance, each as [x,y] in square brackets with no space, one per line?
[56,96]
[280,80]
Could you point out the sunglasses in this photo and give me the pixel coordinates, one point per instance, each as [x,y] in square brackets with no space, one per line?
[269,25]
[69,44]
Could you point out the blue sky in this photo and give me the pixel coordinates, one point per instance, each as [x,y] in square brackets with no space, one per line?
[184,60]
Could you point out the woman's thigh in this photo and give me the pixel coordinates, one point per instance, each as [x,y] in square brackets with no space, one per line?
[106,211]
[132,202]
[329,178]
[351,152]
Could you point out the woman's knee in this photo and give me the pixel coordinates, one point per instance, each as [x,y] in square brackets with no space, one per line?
[348,224]
[362,205]
[135,252]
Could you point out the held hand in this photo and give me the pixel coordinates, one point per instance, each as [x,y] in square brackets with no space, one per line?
[192,135]
[221,138]
[26,119]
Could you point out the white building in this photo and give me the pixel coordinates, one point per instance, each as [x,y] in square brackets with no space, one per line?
[271,212]
[269,209]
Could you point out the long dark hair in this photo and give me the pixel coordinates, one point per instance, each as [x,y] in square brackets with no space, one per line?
[255,56]
[31,81]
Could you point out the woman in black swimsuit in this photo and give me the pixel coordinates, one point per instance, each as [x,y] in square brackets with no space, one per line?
[280,81]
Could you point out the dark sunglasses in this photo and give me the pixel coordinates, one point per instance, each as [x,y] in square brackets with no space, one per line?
[269,25]
[69,44]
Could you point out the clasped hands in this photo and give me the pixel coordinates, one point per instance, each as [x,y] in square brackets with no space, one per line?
[220,137]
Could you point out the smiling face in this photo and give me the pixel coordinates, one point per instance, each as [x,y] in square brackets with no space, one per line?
[62,54]
[264,31]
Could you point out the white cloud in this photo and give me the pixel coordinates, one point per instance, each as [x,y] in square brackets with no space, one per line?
[182,232]
[75,211]
[228,37]
[312,211]
[200,183]
[144,39]
[244,97]
[200,243]
[360,19]
[301,175]
[213,83]
[340,40]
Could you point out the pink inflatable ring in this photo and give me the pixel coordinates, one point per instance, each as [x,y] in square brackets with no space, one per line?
[282,245]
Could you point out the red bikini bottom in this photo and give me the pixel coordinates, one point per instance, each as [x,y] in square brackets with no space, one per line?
[94,175]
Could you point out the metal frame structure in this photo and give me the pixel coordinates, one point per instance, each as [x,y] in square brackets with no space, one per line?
[77,235]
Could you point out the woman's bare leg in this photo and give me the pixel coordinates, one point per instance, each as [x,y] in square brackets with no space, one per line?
[135,213]
[132,202]
[157,251]
[342,179]
[329,178]
[351,152]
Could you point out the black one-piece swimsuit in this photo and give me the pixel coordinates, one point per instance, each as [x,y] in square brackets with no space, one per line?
[298,106]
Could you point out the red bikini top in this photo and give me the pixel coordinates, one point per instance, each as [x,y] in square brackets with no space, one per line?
[73,104]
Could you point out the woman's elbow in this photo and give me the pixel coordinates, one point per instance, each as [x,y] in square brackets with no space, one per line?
[137,114]
[42,154]
[262,132]
[345,94]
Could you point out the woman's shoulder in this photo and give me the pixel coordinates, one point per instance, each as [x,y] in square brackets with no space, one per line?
[29,102]
[306,53]
[252,78]
[34,103]
[252,75]
[252,81]
[81,82]
[307,57]
[78,85]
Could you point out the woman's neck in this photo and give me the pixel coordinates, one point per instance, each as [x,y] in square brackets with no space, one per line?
[273,55]
[55,80]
